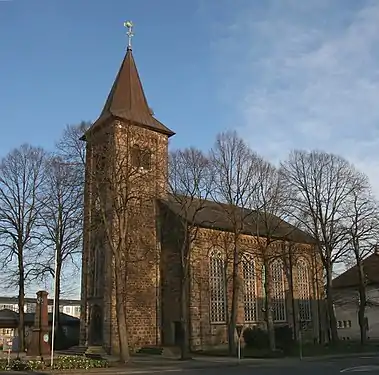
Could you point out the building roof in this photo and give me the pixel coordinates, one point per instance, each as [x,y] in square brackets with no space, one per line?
[62,302]
[7,315]
[64,319]
[213,215]
[349,278]
[127,100]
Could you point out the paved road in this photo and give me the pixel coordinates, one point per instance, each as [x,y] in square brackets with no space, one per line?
[368,364]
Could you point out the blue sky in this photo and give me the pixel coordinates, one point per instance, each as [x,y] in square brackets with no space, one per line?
[286,73]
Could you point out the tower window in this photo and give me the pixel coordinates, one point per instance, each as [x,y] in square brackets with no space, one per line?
[146,159]
[141,158]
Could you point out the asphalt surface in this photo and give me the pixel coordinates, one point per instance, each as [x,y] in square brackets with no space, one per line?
[369,364]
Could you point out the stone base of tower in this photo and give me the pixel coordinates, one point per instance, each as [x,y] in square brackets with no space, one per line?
[142,332]
[142,309]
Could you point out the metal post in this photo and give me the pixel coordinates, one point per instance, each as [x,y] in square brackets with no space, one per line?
[300,345]
[239,331]
[54,305]
[239,349]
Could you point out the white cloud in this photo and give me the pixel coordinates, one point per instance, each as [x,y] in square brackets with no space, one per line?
[310,78]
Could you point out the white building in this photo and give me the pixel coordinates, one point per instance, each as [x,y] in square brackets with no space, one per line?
[67,306]
[347,300]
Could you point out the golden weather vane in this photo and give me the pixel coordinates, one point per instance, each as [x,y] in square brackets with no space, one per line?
[129,33]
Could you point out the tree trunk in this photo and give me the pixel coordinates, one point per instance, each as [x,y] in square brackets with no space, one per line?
[121,318]
[321,338]
[293,304]
[21,324]
[21,304]
[57,293]
[234,306]
[362,303]
[321,333]
[329,303]
[185,296]
[184,304]
[296,326]
[268,309]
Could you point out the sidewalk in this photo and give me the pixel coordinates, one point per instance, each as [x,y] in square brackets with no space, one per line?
[342,355]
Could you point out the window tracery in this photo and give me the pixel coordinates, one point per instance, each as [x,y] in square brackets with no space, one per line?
[217,287]
[303,289]
[278,291]
[250,292]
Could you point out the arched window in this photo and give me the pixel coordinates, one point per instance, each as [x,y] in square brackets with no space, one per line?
[278,291]
[303,290]
[146,159]
[217,287]
[250,292]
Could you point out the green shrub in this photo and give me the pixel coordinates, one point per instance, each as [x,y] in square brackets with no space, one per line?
[14,365]
[284,339]
[78,362]
[255,338]
[60,363]
[3,364]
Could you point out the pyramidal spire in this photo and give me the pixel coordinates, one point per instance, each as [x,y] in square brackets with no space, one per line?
[127,100]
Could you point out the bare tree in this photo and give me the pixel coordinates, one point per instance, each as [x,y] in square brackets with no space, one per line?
[362,225]
[72,149]
[124,187]
[70,146]
[233,165]
[289,252]
[21,178]
[268,202]
[60,222]
[189,183]
[320,183]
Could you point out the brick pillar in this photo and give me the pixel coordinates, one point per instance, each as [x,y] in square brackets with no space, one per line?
[40,333]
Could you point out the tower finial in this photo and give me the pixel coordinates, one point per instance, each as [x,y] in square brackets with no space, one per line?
[129,33]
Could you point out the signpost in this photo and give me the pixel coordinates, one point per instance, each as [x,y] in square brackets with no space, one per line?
[300,344]
[239,329]
[9,353]
[7,347]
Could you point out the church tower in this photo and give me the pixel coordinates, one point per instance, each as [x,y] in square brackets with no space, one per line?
[126,172]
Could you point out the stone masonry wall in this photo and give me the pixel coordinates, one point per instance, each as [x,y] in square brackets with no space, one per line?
[204,333]
[170,269]
[141,254]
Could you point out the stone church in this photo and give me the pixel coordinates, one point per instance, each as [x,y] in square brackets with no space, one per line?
[153,301]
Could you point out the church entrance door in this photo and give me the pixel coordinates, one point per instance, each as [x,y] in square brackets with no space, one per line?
[96,326]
